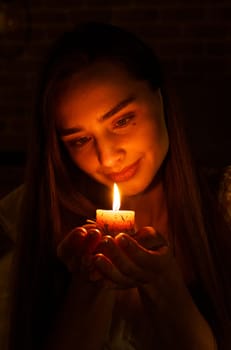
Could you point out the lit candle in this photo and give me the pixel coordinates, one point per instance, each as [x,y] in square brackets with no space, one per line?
[115,221]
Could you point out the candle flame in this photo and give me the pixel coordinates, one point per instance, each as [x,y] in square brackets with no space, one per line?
[116,198]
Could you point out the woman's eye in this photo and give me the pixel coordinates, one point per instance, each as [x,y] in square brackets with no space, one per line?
[79,142]
[124,121]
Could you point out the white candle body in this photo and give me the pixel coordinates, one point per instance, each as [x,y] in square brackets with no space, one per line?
[113,222]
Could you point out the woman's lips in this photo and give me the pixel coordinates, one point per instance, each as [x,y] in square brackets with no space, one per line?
[125,174]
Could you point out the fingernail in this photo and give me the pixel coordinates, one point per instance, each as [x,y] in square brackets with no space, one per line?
[98,258]
[123,241]
[80,231]
[94,232]
[106,240]
[104,243]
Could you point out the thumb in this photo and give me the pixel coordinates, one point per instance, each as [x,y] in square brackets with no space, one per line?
[150,238]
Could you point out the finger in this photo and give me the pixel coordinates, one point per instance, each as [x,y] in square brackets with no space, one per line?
[72,244]
[69,250]
[144,258]
[111,273]
[89,226]
[92,240]
[120,260]
[150,238]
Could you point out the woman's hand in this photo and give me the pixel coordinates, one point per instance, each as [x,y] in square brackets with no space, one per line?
[123,261]
[144,261]
[147,262]
[85,316]
[130,261]
[78,245]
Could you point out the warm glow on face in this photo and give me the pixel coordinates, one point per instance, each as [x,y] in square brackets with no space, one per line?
[116,198]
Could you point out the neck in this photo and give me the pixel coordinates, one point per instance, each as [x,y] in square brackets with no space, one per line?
[150,208]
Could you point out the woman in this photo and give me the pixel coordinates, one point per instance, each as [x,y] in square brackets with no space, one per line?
[103,116]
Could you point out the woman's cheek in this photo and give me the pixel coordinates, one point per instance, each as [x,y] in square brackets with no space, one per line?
[85,160]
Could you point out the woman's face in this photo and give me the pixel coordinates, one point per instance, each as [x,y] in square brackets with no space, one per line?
[113,127]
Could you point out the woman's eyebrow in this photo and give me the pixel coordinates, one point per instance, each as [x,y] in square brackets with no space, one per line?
[68,131]
[122,104]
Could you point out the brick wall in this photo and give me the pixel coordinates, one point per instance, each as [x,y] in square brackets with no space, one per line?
[192,38]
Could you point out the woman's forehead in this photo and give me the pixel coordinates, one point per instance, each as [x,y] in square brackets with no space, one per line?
[95,86]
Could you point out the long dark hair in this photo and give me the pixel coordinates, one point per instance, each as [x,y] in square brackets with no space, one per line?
[59,196]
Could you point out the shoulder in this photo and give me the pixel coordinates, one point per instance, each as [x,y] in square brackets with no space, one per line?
[218,183]
[10,206]
[224,193]
[9,212]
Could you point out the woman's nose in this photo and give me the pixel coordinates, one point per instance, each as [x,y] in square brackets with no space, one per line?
[109,153]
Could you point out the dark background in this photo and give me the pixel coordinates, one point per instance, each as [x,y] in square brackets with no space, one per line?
[191,37]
